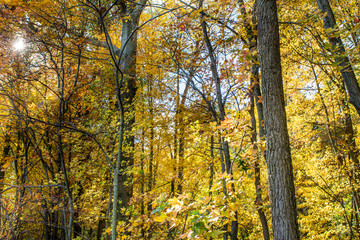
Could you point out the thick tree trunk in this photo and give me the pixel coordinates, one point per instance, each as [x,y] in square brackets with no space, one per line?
[128,67]
[125,82]
[346,71]
[131,14]
[281,180]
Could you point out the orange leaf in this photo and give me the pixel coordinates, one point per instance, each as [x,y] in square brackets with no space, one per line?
[5,166]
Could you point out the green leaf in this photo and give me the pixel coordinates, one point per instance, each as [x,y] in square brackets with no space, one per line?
[216,233]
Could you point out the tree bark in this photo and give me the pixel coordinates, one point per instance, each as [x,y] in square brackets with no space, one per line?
[341,59]
[256,100]
[128,67]
[281,179]
[125,82]
[257,170]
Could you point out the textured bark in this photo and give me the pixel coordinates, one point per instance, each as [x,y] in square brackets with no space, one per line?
[131,14]
[342,60]
[281,180]
[125,84]
[128,94]
[255,99]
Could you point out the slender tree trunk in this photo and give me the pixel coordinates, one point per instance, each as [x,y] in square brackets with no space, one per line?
[119,191]
[222,114]
[55,221]
[211,178]
[341,58]
[179,112]
[142,183]
[281,179]
[174,157]
[5,155]
[258,200]
[61,158]
[150,182]
[181,158]
[101,227]
[256,100]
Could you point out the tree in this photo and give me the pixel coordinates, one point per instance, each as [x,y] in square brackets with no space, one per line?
[280,170]
[341,58]
[158,95]
[124,66]
[255,99]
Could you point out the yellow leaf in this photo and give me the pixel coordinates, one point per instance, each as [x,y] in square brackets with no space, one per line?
[196,12]
[160,218]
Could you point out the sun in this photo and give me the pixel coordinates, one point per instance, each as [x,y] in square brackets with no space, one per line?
[19,44]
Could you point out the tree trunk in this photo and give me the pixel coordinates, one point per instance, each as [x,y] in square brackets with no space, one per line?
[5,155]
[125,82]
[255,100]
[180,107]
[211,177]
[128,67]
[281,179]
[150,177]
[341,59]
[225,151]
[257,170]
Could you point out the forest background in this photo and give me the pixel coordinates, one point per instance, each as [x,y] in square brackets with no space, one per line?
[145,120]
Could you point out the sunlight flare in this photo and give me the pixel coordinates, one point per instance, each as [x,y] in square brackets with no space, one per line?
[19,44]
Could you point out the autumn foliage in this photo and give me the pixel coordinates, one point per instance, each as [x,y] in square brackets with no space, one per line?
[181,118]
